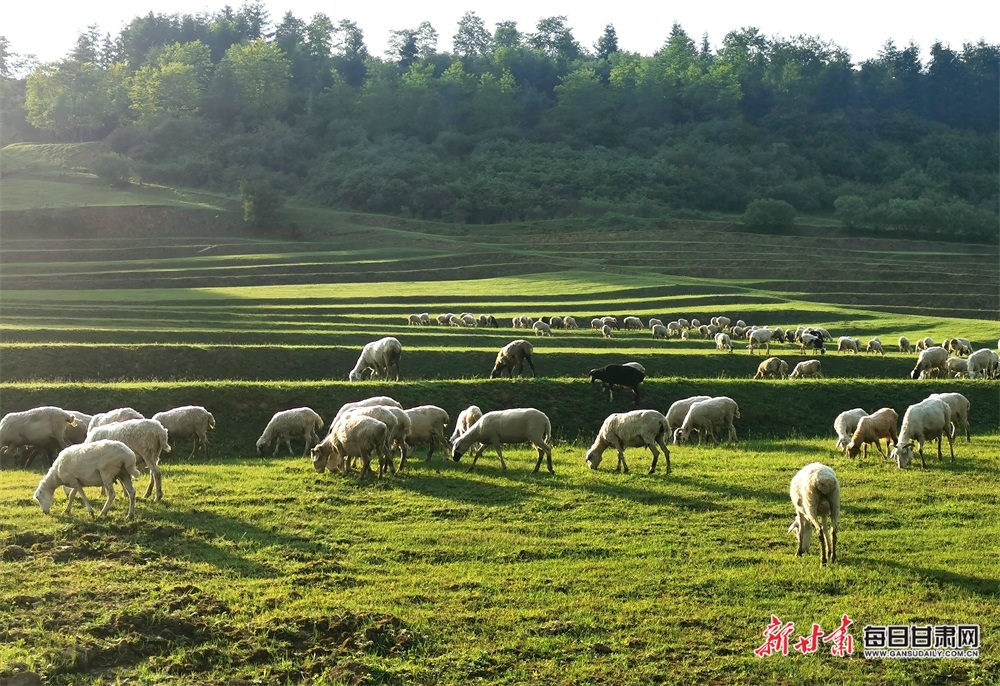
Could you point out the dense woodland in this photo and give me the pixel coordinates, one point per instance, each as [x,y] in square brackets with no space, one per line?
[516,124]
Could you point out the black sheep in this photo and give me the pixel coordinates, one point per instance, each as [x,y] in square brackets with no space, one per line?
[618,375]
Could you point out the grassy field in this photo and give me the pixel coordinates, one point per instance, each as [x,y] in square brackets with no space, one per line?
[257,570]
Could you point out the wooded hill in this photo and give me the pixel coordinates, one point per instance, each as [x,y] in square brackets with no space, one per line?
[516,124]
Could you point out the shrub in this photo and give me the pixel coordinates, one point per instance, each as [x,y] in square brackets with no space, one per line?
[260,202]
[770,215]
[114,170]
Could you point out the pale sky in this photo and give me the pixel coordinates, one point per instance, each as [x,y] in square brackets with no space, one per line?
[861,27]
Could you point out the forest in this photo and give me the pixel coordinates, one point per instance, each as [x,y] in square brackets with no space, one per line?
[516,124]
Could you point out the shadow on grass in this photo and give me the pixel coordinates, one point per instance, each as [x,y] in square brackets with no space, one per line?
[983,586]
[734,490]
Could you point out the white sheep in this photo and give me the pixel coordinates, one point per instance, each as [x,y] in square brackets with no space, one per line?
[41,427]
[365,402]
[445,318]
[298,421]
[659,331]
[845,425]
[427,425]
[875,346]
[119,415]
[984,362]
[466,418]
[393,417]
[723,342]
[959,406]
[512,357]
[100,463]
[556,322]
[469,320]
[425,318]
[758,338]
[78,433]
[569,323]
[188,421]
[606,331]
[673,329]
[633,323]
[815,493]
[358,436]
[927,420]
[454,320]
[147,438]
[695,323]
[414,320]
[519,425]
[683,323]
[679,409]
[541,328]
[630,430]
[872,429]
[806,369]
[380,357]
[721,322]
[956,367]
[931,359]
[653,321]
[846,344]
[596,323]
[904,345]
[707,415]
[959,346]
[772,367]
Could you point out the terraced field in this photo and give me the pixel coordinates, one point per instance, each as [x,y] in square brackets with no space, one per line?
[263,571]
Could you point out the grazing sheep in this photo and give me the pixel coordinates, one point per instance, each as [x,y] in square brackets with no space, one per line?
[188,421]
[298,421]
[606,331]
[956,366]
[455,320]
[736,332]
[806,369]
[846,344]
[366,402]
[520,425]
[630,430]
[468,320]
[610,321]
[466,418]
[930,360]
[904,345]
[872,429]
[618,375]
[42,427]
[380,357]
[984,362]
[959,406]
[758,338]
[924,421]
[673,329]
[875,346]
[740,323]
[679,409]
[659,331]
[721,322]
[709,330]
[427,425]
[569,323]
[413,320]
[815,493]
[653,321]
[779,335]
[683,323]
[444,319]
[633,323]
[357,436]
[845,424]
[425,318]
[112,416]
[925,343]
[541,328]
[723,342]
[707,415]
[147,438]
[596,323]
[959,346]
[556,323]
[513,356]
[100,463]
[399,427]
[772,368]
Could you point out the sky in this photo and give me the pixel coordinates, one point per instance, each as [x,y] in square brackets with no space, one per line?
[860,27]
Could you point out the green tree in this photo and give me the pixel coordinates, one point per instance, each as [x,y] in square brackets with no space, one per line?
[72,100]
[261,202]
[607,44]
[350,52]
[252,81]
[173,82]
[555,39]
[471,39]
[506,35]
[772,216]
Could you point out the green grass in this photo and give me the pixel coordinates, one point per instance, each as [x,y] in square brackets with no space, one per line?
[255,568]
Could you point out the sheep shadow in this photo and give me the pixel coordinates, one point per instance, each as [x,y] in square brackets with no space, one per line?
[650,497]
[981,586]
[479,492]
[734,490]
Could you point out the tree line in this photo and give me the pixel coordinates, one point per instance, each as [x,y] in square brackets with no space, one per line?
[516,125]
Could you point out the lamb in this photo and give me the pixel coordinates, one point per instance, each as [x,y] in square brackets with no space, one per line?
[845,425]
[427,424]
[366,402]
[930,359]
[513,356]
[519,425]
[380,357]
[983,362]
[541,328]
[147,438]
[926,420]
[815,493]
[723,342]
[959,406]
[806,369]
[112,416]
[630,430]
[679,409]
[846,344]
[760,337]
[188,421]
[43,427]
[659,331]
[904,345]
[956,366]
[707,415]
[298,421]
[100,463]
[466,418]
[618,375]
[606,331]
[357,436]
[772,367]
[633,323]
[872,429]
